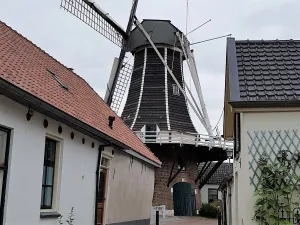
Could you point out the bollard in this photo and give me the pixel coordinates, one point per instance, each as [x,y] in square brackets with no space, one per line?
[219,218]
[157,218]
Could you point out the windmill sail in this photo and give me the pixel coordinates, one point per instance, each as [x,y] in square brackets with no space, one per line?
[90,13]
[122,82]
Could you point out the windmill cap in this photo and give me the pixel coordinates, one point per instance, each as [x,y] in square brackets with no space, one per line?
[162,32]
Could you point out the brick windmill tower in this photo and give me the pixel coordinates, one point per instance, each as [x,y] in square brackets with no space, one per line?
[156,108]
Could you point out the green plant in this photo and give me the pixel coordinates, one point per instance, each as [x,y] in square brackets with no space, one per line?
[208,210]
[217,204]
[276,189]
[70,220]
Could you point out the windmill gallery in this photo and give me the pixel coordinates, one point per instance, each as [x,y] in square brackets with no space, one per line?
[153,144]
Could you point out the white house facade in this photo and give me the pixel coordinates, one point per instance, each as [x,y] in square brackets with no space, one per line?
[262,108]
[63,148]
[210,192]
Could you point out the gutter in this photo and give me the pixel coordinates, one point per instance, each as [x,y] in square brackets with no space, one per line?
[21,96]
[265,104]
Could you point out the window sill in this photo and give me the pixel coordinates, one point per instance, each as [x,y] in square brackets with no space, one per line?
[50,214]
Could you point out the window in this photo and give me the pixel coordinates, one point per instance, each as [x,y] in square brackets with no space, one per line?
[48,174]
[175,90]
[212,195]
[237,135]
[181,163]
[150,131]
[104,162]
[4,155]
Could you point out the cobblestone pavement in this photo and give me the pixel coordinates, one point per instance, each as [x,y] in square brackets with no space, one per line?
[174,220]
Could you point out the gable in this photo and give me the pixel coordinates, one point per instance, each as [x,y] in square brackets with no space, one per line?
[35,75]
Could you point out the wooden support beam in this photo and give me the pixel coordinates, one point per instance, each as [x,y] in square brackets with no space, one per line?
[203,170]
[213,170]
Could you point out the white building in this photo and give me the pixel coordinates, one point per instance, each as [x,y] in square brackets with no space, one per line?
[53,129]
[209,192]
[262,110]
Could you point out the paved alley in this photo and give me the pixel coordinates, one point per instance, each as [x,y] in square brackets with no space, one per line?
[187,221]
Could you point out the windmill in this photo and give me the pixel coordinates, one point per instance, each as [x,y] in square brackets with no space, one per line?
[157,105]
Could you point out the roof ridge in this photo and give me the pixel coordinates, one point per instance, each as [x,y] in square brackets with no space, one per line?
[266,40]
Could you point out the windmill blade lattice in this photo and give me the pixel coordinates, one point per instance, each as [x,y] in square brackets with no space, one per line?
[95,18]
[121,86]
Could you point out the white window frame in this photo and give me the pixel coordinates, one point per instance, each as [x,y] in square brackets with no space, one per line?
[175,89]
[57,173]
[109,158]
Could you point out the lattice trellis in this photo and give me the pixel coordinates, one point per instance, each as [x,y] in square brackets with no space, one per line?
[269,144]
[121,86]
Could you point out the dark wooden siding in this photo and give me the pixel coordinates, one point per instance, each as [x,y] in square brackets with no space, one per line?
[153,105]
[179,115]
[134,89]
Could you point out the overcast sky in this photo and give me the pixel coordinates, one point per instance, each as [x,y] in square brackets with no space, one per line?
[78,46]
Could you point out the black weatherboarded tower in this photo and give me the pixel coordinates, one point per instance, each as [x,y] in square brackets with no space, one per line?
[154,101]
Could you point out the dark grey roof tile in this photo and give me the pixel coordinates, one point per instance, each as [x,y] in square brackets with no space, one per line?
[268,70]
[223,171]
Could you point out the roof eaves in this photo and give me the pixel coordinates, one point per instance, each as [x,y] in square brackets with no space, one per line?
[225,181]
[265,104]
[21,96]
[233,70]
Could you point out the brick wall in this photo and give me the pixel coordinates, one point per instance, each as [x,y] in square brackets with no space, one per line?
[162,193]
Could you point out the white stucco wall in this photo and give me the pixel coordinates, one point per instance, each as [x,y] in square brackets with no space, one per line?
[204,192]
[130,192]
[242,199]
[77,187]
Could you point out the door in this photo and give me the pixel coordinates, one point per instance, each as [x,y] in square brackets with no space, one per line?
[101,196]
[184,199]
[4,151]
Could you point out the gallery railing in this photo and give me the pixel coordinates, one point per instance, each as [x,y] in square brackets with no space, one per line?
[167,137]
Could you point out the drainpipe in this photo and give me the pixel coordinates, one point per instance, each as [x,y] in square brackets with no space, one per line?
[100,150]
[230,205]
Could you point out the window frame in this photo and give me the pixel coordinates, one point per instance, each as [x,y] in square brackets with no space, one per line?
[175,89]
[208,194]
[237,135]
[5,169]
[56,174]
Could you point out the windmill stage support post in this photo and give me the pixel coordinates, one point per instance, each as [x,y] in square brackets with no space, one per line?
[219,218]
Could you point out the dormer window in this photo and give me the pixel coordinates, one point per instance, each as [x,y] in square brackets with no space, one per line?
[176,90]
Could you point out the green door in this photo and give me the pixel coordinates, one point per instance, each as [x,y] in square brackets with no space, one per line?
[184,199]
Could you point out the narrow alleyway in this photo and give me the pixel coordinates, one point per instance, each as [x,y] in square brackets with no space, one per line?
[187,221]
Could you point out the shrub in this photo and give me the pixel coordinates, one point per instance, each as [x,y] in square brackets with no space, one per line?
[208,210]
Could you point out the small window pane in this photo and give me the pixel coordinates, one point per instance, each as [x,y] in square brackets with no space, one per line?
[42,194]
[44,175]
[48,196]
[3,138]
[49,177]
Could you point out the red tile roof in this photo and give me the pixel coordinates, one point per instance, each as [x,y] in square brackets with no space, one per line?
[25,65]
